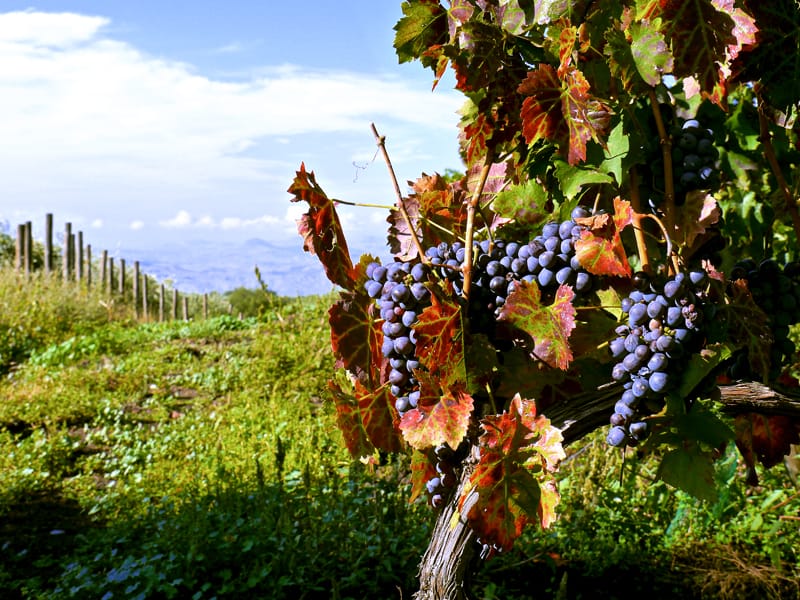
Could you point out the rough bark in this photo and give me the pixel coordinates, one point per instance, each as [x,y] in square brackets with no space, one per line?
[445,567]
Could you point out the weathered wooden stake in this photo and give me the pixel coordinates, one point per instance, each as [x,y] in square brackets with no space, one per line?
[121,286]
[103,270]
[161,304]
[144,299]
[28,245]
[48,244]
[174,304]
[136,288]
[66,257]
[110,282]
[88,266]
[79,257]
[19,248]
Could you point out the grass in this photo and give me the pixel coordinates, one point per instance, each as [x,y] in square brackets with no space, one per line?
[201,459]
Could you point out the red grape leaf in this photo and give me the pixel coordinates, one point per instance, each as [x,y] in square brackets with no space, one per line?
[348,418]
[699,36]
[512,484]
[356,336]
[436,210]
[378,417]
[549,326]
[422,470]
[765,437]
[749,327]
[440,340]
[442,415]
[698,213]
[321,229]
[599,249]
[560,110]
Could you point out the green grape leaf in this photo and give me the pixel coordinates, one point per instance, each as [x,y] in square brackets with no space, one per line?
[526,203]
[649,51]
[599,249]
[549,326]
[701,425]
[572,177]
[422,470]
[690,469]
[321,229]
[700,365]
[442,415]
[423,25]
[348,419]
[560,110]
[512,485]
[440,340]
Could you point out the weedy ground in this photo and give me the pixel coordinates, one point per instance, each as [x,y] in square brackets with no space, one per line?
[201,459]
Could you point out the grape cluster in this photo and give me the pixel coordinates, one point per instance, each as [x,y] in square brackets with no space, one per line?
[776,290]
[664,326]
[694,160]
[548,260]
[400,291]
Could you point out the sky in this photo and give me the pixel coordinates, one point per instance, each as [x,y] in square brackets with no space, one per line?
[146,122]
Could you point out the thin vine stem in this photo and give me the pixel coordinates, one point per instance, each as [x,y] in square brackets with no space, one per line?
[666,153]
[470,233]
[765,137]
[638,230]
[401,205]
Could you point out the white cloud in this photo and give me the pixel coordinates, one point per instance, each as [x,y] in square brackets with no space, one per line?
[137,225]
[89,120]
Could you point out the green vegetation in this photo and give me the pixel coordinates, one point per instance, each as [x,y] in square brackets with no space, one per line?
[201,459]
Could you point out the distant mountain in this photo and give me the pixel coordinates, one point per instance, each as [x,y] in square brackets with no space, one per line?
[199,266]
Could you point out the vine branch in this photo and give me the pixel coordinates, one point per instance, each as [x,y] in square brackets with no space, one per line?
[666,153]
[401,205]
[471,207]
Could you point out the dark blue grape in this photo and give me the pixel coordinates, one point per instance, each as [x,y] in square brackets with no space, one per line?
[658,381]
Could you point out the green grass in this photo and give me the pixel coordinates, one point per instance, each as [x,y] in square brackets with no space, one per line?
[201,459]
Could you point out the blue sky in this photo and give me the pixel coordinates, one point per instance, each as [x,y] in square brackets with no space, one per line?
[143,121]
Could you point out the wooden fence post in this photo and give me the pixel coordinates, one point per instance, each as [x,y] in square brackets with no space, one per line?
[48,243]
[175,304]
[136,288]
[88,266]
[19,248]
[79,257]
[103,270]
[110,282]
[144,298]
[161,304]
[121,287]
[66,257]
[185,308]
[28,244]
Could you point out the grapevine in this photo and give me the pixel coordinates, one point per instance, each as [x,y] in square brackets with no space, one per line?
[624,238]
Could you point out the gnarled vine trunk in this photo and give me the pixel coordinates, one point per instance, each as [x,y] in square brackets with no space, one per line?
[445,567]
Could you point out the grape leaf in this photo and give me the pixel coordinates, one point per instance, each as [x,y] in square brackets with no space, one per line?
[436,210]
[699,35]
[512,485]
[348,418]
[549,326]
[421,26]
[700,365]
[599,249]
[749,327]
[440,340]
[321,229]
[698,213]
[525,203]
[422,470]
[442,415]
[378,416]
[572,177]
[561,110]
[691,470]
[765,437]
[773,59]
[356,337]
